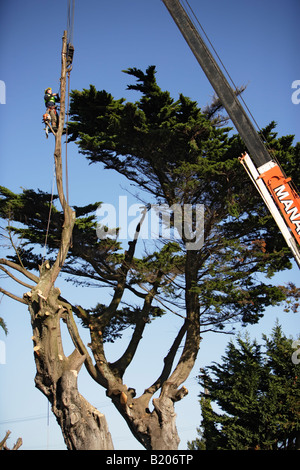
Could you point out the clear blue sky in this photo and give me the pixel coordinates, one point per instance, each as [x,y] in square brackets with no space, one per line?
[259,43]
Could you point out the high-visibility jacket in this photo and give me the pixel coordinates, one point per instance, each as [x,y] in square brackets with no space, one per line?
[50,100]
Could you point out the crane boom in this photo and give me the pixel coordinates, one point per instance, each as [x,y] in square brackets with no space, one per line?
[278,193]
[219,83]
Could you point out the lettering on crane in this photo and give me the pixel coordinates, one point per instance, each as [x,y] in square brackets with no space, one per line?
[291,211]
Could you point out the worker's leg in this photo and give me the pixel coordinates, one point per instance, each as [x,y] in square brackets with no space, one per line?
[53,116]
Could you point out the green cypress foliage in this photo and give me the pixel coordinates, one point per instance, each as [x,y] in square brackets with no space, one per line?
[251,400]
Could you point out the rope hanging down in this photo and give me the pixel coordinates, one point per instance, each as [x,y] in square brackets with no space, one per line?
[49,216]
[67,122]
[70,29]
[70,53]
[70,22]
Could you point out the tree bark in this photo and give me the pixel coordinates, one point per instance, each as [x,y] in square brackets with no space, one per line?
[83,426]
[155,430]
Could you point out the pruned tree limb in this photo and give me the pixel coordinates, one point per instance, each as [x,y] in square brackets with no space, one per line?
[15,278]
[78,343]
[20,269]
[16,446]
[13,296]
[168,362]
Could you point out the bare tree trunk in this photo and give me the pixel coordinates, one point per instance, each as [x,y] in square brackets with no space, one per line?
[82,425]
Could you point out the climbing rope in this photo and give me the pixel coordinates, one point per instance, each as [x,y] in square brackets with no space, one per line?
[49,216]
[70,21]
[70,52]
[67,123]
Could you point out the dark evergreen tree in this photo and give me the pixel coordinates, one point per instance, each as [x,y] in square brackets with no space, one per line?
[256,393]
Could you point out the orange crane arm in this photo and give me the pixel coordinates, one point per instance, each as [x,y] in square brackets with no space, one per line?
[284,196]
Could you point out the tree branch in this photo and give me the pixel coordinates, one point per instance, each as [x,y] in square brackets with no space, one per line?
[123,271]
[128,355]
[13,245]
[15,278]
[16,445]
[13,296]
[19,268]
[123,362]
[168,363]
[78,343]
[192,340]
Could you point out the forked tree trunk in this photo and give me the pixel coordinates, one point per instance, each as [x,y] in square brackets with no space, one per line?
[83,426]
